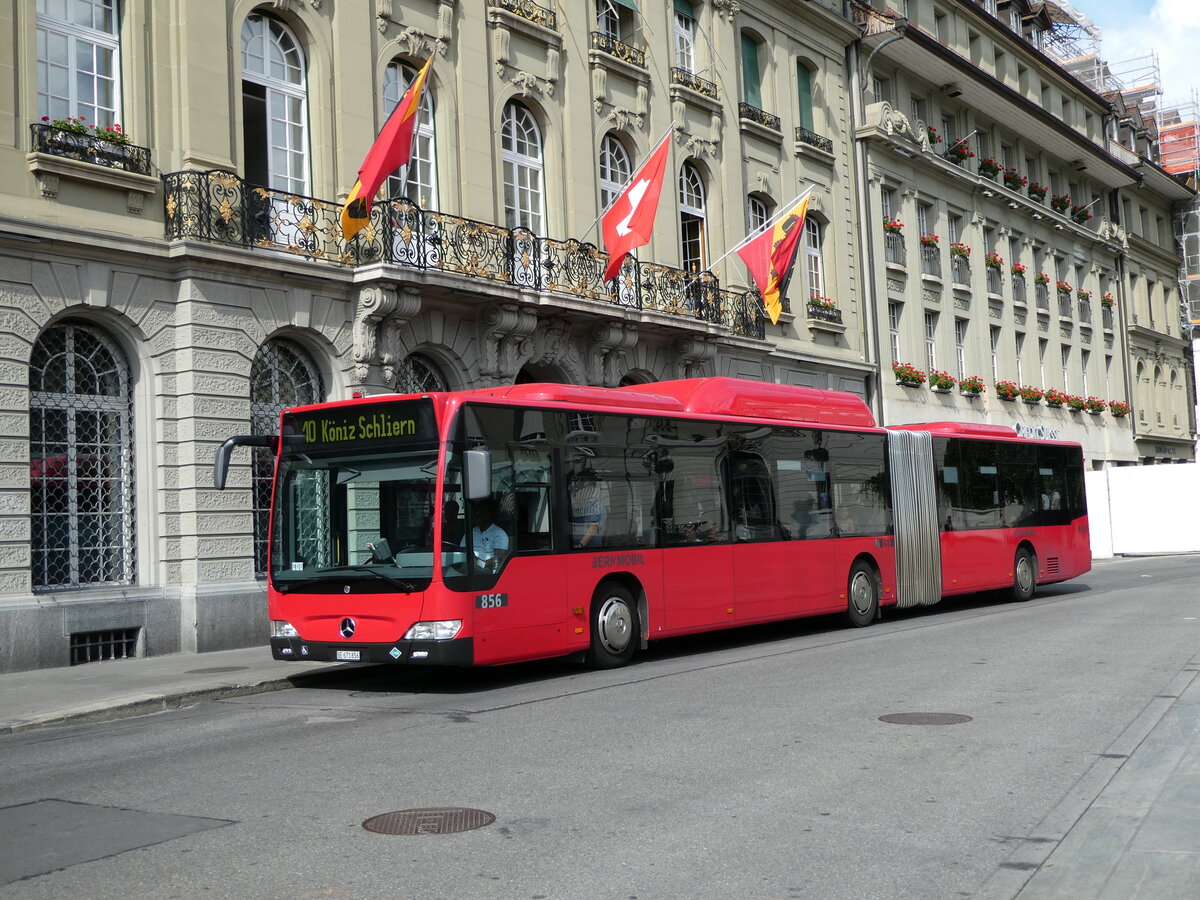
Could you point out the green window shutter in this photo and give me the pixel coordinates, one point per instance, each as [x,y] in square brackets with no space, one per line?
[628,4]
[751,80]
[804,80]
[685,8]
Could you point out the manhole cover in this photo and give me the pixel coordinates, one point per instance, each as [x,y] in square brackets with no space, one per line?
[925,719]
[447,820]
[216,670]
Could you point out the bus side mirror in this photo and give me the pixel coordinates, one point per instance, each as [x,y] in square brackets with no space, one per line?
[221,463]
[477,465]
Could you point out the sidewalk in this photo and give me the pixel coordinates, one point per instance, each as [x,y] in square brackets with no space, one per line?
[1128,828]
[113,690]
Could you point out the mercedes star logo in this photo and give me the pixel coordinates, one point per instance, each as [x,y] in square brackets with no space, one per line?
[347,628]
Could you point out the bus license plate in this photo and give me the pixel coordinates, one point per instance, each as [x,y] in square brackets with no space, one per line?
[349,655]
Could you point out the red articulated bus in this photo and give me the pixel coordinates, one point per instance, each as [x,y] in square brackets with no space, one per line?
[540,520]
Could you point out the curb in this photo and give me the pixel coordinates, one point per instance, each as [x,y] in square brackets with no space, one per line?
[124,709]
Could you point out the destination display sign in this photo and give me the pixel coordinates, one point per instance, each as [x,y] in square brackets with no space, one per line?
[379,424]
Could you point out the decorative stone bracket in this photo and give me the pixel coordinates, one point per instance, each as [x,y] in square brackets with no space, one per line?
[692,356]
[605,348]
[380,306]
[503,331]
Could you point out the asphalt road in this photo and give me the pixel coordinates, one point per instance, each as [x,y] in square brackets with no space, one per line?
[746,764]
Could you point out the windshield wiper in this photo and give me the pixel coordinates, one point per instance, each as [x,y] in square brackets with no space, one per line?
[407,586]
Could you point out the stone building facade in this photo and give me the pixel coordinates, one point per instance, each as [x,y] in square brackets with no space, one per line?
[181,279]
[163,294]
[1035,240]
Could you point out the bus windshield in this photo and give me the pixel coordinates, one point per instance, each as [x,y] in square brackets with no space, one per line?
[354,497]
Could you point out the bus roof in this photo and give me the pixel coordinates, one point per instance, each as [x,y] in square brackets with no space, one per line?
[762,400]
[702,396]
[969,429]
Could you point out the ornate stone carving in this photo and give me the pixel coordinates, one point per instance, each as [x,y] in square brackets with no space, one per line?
[692,356]
[392,351]
[605,350]
[621,118]
[552,342]
[374,302]
[528,83]
[696,146]
[727,8]
[503,331]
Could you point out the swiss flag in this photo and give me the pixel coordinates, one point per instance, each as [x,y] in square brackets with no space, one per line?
[628,222]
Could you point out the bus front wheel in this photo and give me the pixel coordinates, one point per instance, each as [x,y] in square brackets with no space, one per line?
[862,593]
[614,627]
[1024,575]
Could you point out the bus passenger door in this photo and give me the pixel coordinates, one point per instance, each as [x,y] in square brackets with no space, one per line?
[697,554]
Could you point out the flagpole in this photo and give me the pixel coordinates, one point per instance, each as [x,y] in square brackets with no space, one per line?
[632,174]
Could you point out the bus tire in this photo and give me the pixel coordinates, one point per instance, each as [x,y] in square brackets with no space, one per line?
[1024,575]
[614,627]
[862,595]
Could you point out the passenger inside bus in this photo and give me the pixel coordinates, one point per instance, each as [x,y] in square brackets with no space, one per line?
[588,515]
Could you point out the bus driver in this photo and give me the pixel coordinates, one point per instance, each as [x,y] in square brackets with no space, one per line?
[488,540]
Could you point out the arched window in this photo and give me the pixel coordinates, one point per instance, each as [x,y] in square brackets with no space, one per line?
[524,173]
[758,213]
[420,375]
[691,218]
[615,168]
[418,179]
[814,269]
[80,459]
[615,18]
[804,78]
[79,61]
[752,75]
[274,106]
[282,375]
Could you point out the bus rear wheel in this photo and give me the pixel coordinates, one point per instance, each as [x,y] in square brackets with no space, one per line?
[862,594]
[1024,575]
[614,627]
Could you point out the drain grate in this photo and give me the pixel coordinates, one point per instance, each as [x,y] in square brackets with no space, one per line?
[925,719]
[435,820]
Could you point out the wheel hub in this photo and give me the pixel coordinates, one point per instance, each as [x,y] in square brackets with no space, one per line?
[616,625]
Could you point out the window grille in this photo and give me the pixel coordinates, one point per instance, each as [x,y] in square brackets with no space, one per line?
[420,375]
[80,459]
[282,375]
[102,646]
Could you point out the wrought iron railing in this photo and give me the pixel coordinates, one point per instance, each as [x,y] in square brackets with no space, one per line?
[743,313]
[824,314]
[1085,312]
[759,117]
[993,281]
[931,261]
[1064,305]
[90,149]
[688,79]
[1018,285]
[218,207]
[812,139]
[526,9]
[893,247]
[1042,293]
[960,268]
[606,43]
[1106,318]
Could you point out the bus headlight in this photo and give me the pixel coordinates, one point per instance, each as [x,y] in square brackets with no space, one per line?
[434,631]
[281,629]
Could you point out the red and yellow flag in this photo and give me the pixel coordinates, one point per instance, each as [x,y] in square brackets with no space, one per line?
[769,255]
[391,150]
